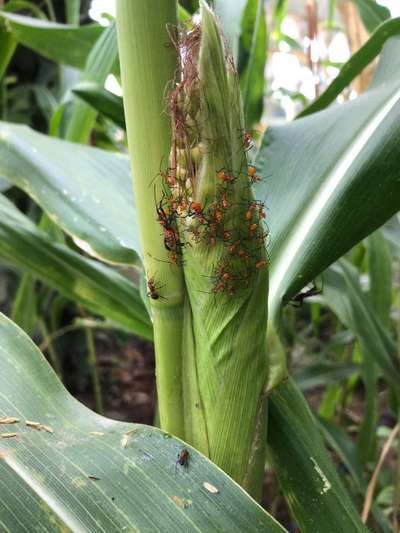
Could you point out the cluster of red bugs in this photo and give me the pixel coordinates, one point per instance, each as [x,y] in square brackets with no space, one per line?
[227,219]
[237,224]
[241,229]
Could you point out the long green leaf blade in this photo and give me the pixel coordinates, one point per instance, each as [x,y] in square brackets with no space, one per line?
[380,275]
[334,178]
[106,481]
[99,64]
[105,102]
[86,191]
[345,297]
[87,282]
[64,43]
[252,57]
[313,490]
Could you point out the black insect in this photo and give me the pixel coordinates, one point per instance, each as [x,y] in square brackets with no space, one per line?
[298,300]
[183,459]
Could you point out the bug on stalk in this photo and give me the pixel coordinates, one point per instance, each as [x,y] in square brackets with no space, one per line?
[164,216]
[168,175]
[247,138]
[224,177]
[153,289]
[251,173]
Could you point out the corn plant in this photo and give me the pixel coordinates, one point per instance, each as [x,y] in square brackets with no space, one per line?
[222,241]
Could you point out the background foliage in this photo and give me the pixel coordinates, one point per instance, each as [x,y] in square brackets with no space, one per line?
[70,270]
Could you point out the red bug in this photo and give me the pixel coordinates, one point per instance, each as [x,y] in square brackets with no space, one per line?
[224,177]
[224,201]
[251,172]
[261,263]
[195,210]
[153,289]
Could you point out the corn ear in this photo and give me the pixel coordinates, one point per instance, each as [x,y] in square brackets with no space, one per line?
[225,263]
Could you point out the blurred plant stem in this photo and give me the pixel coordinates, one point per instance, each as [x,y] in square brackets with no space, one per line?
[94,371]
[55,360]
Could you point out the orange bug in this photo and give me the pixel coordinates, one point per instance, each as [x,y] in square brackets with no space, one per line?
[224,177]
[224,201]
[261,264]
[232,247]
[153,289]
[218,215]
[251,172]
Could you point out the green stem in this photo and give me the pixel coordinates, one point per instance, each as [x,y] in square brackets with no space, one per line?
[72,9]
[148,62]
[50,9]
[98,65]
[252,56]
[92,361]
[54,358]
[7,48]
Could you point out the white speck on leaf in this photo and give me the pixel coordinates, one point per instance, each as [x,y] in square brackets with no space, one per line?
[210,488]
[327,485]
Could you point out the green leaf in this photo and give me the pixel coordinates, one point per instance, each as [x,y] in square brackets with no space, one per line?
[343,294]
[183,14]
[306,474]
[279,14]
[98,66]
[24,306]
[86,191]
[391,231]
[138,487]
[356,64]
[105,102]
[380,275]
[7,49]
[230,13]
[330,179]
[341,443]
[323,373]
[63,43]
[372,14]
[88,282]
[13,6]
[252,57]
[345,449]
[366,438]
